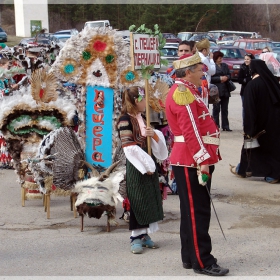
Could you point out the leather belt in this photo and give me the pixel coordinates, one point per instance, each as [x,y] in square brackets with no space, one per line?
[206,140]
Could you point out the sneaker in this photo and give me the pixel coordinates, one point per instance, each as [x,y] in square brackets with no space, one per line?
[136,246]
[212,270]
[147,242]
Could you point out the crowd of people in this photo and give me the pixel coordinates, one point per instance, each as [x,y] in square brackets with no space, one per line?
[196,132]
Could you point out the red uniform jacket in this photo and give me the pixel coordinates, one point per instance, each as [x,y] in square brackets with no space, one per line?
[192,121]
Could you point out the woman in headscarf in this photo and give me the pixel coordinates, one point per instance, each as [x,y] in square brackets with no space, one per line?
[262,112]
[244,76]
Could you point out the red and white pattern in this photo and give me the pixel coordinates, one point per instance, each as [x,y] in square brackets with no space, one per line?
[192,121]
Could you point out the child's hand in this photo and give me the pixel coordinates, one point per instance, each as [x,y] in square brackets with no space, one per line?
[150,131]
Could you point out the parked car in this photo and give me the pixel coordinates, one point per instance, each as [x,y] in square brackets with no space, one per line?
[172,44]
[39,41]
[71,32]
[169,53]
[275,44]
[62,39]
[276,52]
[233,57]
[212,44]
[171,38]
[228,40]
[98,23]
[254,46]
[199,36]
[3,35]
[185,36]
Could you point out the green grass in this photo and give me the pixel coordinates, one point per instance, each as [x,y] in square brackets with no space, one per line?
[13,40]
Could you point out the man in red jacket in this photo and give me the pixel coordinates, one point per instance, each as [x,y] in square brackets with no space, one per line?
[195,151]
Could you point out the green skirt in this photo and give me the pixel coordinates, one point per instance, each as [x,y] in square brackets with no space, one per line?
[144,195]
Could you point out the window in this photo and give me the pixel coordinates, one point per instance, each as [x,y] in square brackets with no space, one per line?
[242,45]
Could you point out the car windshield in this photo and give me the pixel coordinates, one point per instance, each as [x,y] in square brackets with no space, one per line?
[232,53]
[1,30]
[63,39]
[184,36]
[169,51]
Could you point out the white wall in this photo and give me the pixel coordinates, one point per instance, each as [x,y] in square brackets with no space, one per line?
[27,10]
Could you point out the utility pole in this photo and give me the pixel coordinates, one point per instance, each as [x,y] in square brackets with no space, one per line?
[268,19]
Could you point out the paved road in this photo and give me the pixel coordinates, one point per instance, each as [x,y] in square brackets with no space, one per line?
[32,245]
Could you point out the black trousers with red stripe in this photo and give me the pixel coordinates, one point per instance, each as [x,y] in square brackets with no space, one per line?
[195,206]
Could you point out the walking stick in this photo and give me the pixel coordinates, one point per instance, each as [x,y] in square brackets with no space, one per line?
[215,212]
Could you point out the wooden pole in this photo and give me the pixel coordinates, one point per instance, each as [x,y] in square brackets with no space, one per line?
[148,115]
[22,196]
[48,205]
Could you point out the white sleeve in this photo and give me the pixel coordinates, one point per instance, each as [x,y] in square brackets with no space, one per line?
[159,148]
[139,159]
[210,65]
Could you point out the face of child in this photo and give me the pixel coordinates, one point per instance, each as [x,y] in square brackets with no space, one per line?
[141,104]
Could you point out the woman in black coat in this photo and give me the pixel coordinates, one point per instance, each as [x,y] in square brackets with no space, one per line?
[220,79]
[244,77]
[262,111]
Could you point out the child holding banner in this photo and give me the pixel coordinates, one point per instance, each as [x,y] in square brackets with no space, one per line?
[141,175]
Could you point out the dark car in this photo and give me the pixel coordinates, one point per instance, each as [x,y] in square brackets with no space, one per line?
[233,57]
[171,38]
[3,35]
[198,37]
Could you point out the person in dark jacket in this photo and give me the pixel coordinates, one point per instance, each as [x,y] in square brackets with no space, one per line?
[262,94]
[244,77]
[220,79]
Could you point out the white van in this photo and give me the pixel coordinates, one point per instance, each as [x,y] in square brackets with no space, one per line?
[98,23]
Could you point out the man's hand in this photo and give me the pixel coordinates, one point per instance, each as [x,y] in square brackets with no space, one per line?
[204,168]
[150,173]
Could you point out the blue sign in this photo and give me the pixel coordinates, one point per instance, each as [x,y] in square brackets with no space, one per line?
[99,121]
